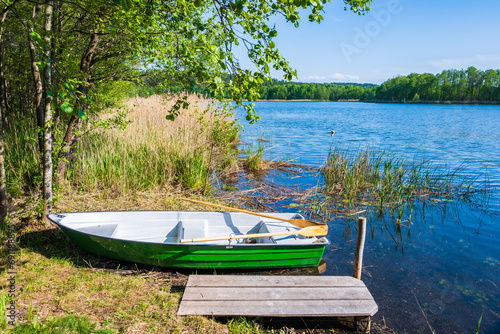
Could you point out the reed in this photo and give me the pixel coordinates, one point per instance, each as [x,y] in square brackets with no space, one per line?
[387,182]
[155,152]
[253,160]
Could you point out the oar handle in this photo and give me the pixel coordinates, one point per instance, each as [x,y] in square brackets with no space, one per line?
[237,210]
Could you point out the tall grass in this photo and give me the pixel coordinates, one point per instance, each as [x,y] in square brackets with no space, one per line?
[21,155]
[3,310]
[155,152]
[386,181]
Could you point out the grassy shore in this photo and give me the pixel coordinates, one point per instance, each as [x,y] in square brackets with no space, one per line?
[57,286]
[146,166]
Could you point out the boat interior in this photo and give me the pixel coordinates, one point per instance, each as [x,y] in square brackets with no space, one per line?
[171,227]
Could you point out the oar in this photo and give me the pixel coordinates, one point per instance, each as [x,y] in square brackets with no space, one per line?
[310,231]
[296,222]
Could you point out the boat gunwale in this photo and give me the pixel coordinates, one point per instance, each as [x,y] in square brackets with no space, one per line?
[196,244]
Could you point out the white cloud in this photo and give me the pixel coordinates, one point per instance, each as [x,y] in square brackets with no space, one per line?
[463,62]
[343,77]
[315,78]
[338,77]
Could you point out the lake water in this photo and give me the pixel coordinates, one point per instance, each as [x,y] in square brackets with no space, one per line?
[441,274]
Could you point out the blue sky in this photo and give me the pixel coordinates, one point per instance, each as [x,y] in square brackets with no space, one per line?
[397,37]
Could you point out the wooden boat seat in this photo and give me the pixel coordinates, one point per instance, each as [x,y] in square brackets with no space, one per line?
[189,229]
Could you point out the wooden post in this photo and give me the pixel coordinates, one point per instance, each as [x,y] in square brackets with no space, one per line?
[362,324]
[360,246]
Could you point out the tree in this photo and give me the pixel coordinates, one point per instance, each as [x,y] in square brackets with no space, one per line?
[491,81]
[449,85]
[62,51]
[474,79]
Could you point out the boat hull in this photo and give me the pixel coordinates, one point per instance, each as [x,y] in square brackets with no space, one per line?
[192,256]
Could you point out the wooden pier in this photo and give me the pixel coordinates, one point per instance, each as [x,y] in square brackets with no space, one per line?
[279,296]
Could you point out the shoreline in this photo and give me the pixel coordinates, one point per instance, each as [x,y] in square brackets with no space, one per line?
[394,102]
[307,100]
[437,102]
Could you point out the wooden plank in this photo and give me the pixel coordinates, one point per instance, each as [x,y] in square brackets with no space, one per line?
[283,308]
[278,296]
[286,293]
[281,281]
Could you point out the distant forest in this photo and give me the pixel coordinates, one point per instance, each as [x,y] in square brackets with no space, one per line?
[285,90]
[450,85]
[466,85]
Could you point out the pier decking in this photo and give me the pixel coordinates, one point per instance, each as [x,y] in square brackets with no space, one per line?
[279,296]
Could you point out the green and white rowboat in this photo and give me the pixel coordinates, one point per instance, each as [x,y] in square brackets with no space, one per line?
[154,238]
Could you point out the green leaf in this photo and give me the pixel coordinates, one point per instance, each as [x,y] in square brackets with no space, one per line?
[67,107]
[479,323]
[50,93]
[35,36]
[126,4]
[82,114]
[53,104]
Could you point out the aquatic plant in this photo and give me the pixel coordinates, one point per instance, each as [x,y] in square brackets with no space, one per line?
[254,157]
[385,181]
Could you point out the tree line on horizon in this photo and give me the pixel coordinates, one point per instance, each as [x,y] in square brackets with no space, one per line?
[283,90]
[468,84]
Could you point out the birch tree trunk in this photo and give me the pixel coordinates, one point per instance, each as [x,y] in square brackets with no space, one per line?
[47,126]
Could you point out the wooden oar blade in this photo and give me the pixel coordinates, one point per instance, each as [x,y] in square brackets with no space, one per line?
[314,231]
[304,223]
